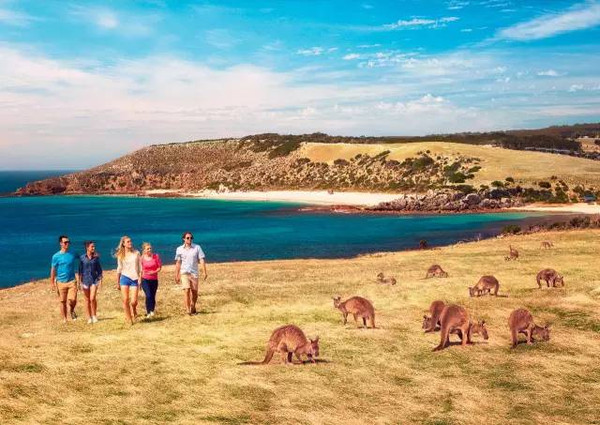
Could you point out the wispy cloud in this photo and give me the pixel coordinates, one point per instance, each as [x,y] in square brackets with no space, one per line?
[15,18]
[316,51]
[420,23]
[457,4]
[351,56]
[580,17]
[548,73]
[106,19]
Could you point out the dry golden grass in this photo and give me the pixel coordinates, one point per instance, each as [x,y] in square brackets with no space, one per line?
[181,369]
[496,163]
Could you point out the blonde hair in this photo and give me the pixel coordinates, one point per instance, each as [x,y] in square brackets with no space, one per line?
[146,245]
[121,250]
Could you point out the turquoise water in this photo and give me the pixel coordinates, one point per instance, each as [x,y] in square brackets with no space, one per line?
[227,230]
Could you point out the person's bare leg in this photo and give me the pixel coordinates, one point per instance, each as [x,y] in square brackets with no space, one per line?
[134,290]
[88,303]
[126,306]
[187,299]
[93,300]
[63,309]
[194,300]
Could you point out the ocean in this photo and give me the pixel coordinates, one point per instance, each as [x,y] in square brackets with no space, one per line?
[226,230]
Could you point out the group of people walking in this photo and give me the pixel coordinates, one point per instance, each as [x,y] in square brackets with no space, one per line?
[135,270]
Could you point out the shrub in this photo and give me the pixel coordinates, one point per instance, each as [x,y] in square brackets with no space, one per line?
[474,169]
[510,179]
[422,162]
[284,149]
[458,177]
[511,229]
[545,185]
[341,162]
[497,183]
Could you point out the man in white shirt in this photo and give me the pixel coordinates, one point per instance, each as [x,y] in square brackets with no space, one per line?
[187,258]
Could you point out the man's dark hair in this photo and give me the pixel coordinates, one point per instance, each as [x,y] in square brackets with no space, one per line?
[187,233]
[60,238]
[87,243]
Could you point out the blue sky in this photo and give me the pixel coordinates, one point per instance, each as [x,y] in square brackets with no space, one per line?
[82,82]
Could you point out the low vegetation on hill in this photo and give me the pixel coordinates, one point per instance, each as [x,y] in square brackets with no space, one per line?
[181,369]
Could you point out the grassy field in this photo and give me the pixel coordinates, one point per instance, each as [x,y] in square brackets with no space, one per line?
[181,369]
[497,163]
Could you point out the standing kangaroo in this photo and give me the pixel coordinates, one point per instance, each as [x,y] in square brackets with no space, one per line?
[382,279]
[551,277]
[431,322]
[357,307]
[289,340]
[435,271]
[521,321]
[452,318]
[513,254]
[485,285]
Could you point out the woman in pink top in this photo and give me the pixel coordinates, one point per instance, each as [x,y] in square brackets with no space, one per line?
[150,265]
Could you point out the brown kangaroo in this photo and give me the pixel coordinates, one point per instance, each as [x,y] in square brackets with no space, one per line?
[551,277]
[435,271]
[513,254]
[431,322]
[453,318]
[546,245]
[485,285]
[382,279]
[289,340]
[521,321]
[357,307]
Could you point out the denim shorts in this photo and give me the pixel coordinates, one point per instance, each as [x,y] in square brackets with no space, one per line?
[126,281]
[86,286]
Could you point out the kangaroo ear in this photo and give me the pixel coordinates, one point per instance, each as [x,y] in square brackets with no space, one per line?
[483,322]
[424,316]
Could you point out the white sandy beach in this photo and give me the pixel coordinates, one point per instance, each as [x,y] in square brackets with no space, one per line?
[580,208]
[297,196]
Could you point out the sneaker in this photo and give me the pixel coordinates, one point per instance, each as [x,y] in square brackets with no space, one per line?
[94,319]
[148,316]
[151,314]
[73,315]
[90,321]
[193,310]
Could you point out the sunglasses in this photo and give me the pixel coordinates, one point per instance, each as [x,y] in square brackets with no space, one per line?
[189,237]
[66,242]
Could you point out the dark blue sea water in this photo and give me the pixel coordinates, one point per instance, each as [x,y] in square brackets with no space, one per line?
[12,180]
[227,230]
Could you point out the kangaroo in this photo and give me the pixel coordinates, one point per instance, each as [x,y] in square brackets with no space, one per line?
[431,322]
[453,318]
[435,271]
[485,285]
[357,307]
[382,279]
[521,321]
[289,340]
[551,277]
[513,254]
[546,245]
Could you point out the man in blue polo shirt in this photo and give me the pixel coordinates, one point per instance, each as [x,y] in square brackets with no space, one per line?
[187,257]
[63,278]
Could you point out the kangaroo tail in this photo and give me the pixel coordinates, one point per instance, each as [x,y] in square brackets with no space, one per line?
[268,356]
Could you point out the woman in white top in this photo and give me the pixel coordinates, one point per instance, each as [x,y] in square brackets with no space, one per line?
[129,278]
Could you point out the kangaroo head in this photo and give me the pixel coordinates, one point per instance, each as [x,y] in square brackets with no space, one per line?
[380,276]
[426,322]
[541,333]
[337,301]
[480,328]
[313,350]
[471,291]
[559,279]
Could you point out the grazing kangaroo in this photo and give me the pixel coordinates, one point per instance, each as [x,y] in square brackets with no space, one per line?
[431,322]
[382,279]
[551,277]
[435,271]
[521,321]
[289,340]
[453,318]
[546,245]
[357,307]
[513,254]
[485,285]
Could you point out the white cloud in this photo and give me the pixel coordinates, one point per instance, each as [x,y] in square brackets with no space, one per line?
[316,51]
[548,73]
[575,88]
[15,18]
[351,56]
[456,4]
[577,18]
[420,23]
[368,46]
[105,19]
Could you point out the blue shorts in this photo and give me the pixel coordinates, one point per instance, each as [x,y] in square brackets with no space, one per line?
[125,281]
[89,285]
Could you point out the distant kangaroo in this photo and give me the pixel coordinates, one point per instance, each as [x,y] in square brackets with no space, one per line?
[551,277]
[521,321]
[453,318]
[357,307]
[485,285]
[288,340]
[382,279]
[513,254]
[435,271]
[546,245]
[431,322]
